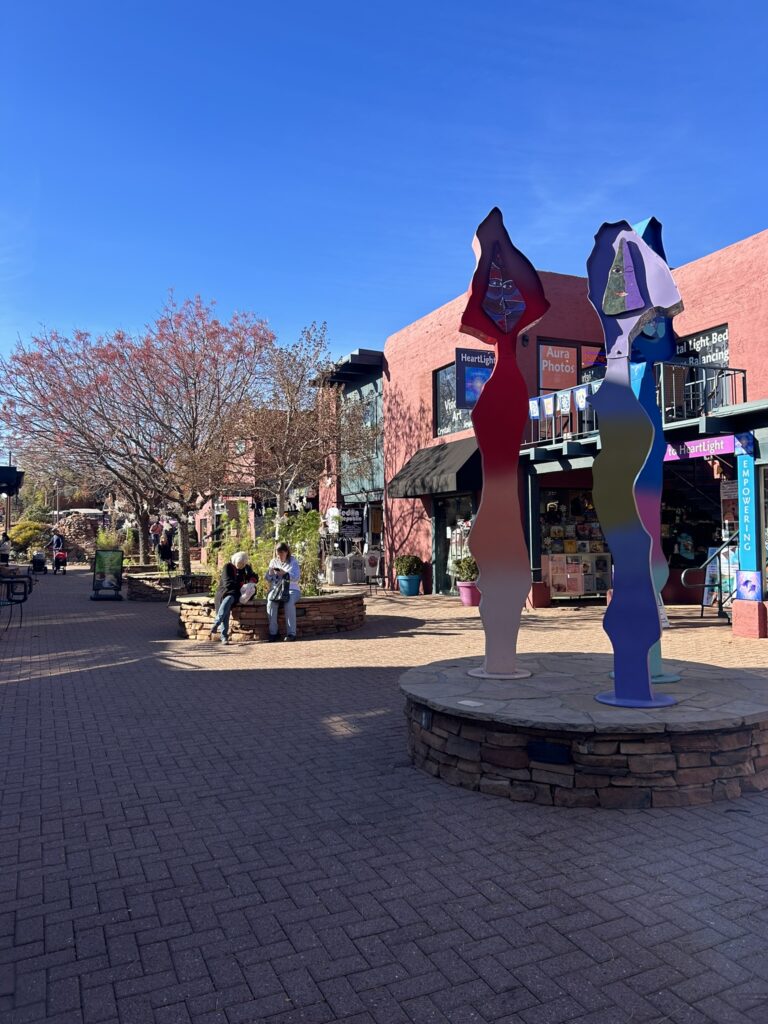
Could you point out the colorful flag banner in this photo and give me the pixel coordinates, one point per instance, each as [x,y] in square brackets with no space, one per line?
[534,409]
[548,405]
[564,401]
[580,397]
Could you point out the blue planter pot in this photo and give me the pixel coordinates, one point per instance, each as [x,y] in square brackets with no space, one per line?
[409,585]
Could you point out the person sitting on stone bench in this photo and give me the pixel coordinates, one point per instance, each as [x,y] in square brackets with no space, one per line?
[234,574]
[283,566]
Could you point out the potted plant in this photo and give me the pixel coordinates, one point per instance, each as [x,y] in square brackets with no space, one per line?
[466,573]
[408,571]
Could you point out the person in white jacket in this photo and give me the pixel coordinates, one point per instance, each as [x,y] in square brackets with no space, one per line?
[282,566]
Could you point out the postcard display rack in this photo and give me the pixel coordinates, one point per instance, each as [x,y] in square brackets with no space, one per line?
[575,559]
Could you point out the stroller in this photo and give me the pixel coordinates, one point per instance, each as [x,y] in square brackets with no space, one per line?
[59,559]
[38,562]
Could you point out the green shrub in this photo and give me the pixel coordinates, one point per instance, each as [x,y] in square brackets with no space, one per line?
[466,569]
[107,539]
[408,565]
[301,532]
[29,533]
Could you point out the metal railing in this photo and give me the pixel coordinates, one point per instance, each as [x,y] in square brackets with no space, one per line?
[723,600]
[688,392]
[682,393]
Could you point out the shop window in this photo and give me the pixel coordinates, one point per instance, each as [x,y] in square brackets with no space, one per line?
[448,419]
[575,558]
[558,365]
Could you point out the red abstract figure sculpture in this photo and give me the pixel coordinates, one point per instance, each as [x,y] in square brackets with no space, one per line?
[505,297]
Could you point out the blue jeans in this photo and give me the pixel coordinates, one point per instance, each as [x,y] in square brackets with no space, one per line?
[290,614]
[222,616]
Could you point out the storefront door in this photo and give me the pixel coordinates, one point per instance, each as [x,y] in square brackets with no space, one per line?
[452,520]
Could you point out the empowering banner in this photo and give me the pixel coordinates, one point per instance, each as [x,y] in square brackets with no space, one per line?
[747,491]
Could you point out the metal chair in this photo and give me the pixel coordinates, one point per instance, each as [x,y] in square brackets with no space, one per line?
[178,583]
[16,593]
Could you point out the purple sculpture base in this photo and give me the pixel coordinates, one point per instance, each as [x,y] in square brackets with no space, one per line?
[660,700]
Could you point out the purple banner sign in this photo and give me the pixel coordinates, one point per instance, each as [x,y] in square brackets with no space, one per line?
[701,449]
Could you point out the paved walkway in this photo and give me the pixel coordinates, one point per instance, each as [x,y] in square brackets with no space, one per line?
[224,835]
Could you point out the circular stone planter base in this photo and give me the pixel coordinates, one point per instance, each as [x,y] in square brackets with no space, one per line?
[546,740]
[480,673]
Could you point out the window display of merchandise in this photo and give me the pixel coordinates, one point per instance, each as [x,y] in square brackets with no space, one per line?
[575,559]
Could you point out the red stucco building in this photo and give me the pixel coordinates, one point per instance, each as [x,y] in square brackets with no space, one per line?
[716,390]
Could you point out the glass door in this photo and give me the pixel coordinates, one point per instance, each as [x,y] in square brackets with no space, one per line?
[452,521]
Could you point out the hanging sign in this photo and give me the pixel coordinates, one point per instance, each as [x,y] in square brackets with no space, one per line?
[702,449]
[534,409]
[564,401]
[473,368]
[746,478]
[352,523]
[548,405]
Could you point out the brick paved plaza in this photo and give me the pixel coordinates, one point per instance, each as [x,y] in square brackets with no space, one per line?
[191,833]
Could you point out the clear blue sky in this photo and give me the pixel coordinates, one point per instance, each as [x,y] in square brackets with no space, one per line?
[330,161]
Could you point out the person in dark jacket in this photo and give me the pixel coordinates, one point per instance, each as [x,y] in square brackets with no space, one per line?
[235,573]
[165,550]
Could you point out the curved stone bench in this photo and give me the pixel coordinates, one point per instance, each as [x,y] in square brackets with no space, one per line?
[315,616]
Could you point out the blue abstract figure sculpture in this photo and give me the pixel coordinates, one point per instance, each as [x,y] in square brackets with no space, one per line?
[630,287]
[654,344]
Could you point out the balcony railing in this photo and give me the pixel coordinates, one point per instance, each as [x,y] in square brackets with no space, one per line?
[682,393]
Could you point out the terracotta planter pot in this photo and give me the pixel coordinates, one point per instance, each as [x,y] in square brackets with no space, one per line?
[469,594]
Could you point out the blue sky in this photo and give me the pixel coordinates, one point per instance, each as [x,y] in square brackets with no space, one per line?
[331,161]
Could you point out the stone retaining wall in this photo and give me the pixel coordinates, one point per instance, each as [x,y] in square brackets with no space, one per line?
[154,587]
[315,616]
[669,769]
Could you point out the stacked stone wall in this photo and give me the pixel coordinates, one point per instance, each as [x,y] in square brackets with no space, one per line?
[154,587]
[661,769]
[315,616]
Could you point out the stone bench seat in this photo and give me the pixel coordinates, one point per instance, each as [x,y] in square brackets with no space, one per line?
[315,616]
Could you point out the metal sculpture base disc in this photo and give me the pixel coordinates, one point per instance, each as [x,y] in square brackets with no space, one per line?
[664,677]
[480,673]
[660,700]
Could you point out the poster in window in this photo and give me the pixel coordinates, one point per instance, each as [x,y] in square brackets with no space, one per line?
[558,366]
[473,368]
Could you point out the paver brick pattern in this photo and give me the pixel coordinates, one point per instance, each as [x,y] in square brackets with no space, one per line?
[192,834]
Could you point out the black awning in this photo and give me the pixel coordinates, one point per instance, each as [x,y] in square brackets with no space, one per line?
[442,469]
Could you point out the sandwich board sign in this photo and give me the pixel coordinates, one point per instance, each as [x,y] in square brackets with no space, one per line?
[107,575]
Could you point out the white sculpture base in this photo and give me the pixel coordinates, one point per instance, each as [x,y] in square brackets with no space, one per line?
[480,673]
